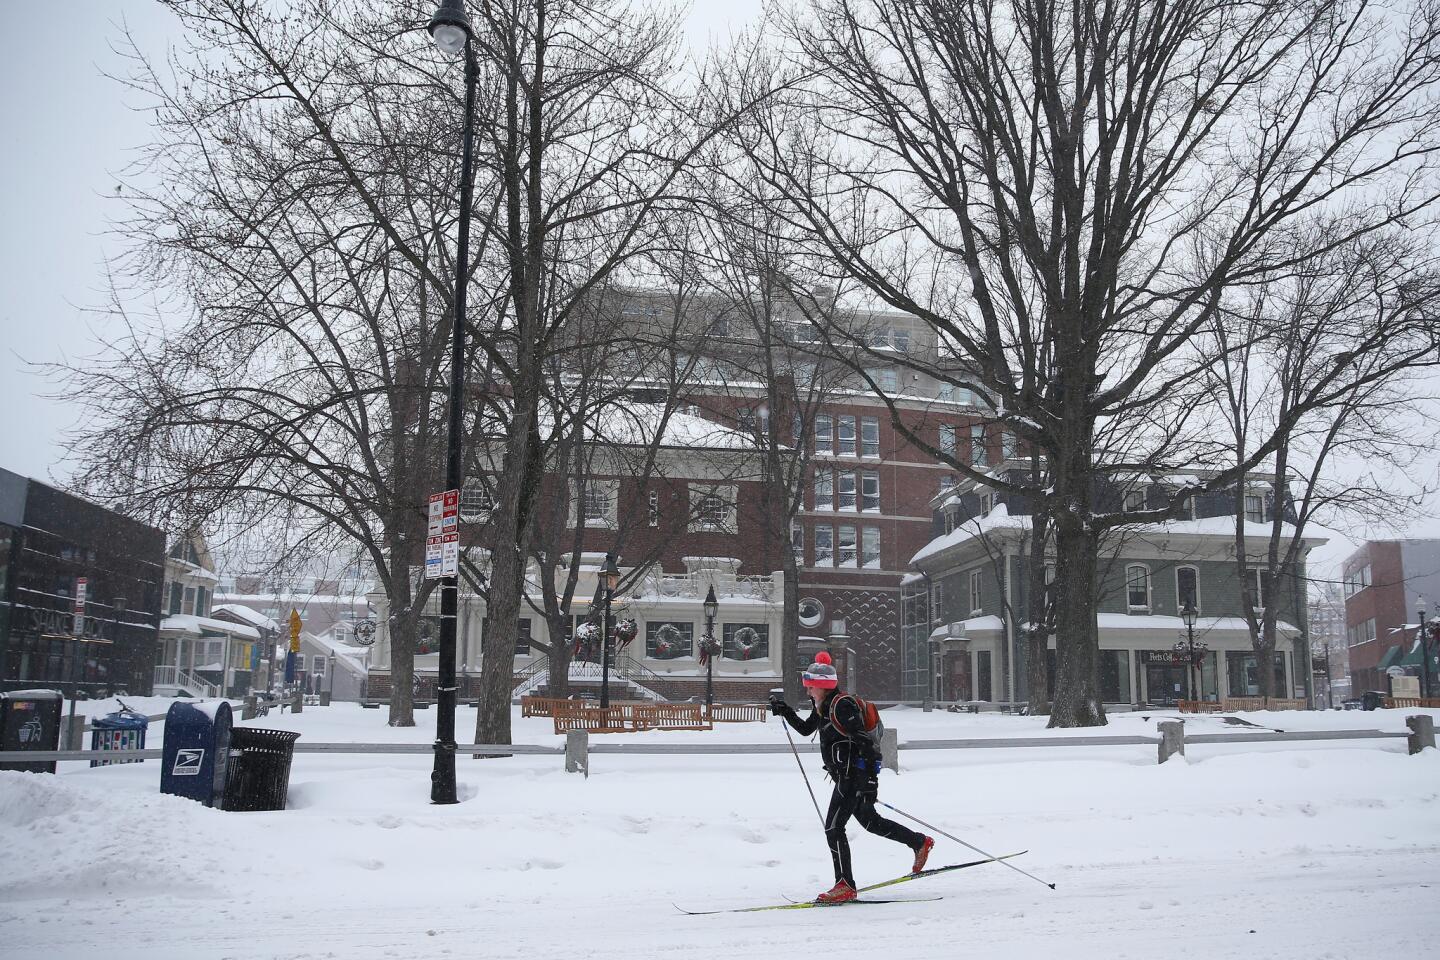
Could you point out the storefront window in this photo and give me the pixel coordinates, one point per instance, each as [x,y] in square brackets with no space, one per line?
[1243,679]
[1115,676]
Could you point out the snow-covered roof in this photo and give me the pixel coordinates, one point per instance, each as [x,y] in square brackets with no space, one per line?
[997,519]
[247,614]
[198,626]
[637,424]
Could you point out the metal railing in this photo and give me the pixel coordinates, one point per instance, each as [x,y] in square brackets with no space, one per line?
[173,676]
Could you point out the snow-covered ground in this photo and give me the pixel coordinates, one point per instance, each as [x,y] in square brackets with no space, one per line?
[1309,850]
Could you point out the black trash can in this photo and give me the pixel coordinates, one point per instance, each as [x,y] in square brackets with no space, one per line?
[259,775]
[1372,699]
[30,720]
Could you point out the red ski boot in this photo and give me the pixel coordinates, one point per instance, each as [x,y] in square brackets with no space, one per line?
[922,855]
[842,892]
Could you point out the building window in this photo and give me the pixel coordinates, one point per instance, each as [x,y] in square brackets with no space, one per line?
[947,483]
[869,437]
[845,436]
[812,611]
[475,502]
[947,440]
[824,545]
[202,602]
[1357,580]
[745,641]
[652,510]
[1254,508]
[177,599]
[522,637]
[797,543]
[975,597]
[1134,500]
[1362,632]
[319,666]
[669,639]
[977,444]
[845,549]
[1009,446]
[888,380]
[1137,587]
[713,510]
[1187,587]
[599,503]
[870,491]
[870,548]
[901,338]
[846,493]
[189,606]
[824,437]
[824,490]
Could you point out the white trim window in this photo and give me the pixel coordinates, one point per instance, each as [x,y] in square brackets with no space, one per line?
[797,543]
[1254,508]
[947,439]
[975,595]
[712,509]
[870,548]
[1187,587]
[845,436]
[846,552]
[600,497]
[869,437]
[1134,501]
[1137,587]
[476,503]
[652,509]
[824,545]
[888,379]
[870,491]
[824,436]
[845,494]
[318,668]
[824,490]
[1357,580]
[977,444]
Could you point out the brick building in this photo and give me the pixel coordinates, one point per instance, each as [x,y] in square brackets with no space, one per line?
[1387,584]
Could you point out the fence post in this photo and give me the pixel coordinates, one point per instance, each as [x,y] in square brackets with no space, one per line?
[248,709]
[298,703]
[890,749]
[75,734]
[577,751]
[1172,739]
[1422,732]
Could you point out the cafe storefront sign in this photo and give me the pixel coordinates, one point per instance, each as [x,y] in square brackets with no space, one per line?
[63,624]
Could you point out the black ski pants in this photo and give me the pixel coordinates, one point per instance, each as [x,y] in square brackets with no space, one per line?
[856,797]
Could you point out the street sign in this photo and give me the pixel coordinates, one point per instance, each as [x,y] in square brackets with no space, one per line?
[82,584]
[442,536]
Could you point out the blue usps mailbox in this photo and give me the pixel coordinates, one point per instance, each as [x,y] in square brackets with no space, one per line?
[197,751]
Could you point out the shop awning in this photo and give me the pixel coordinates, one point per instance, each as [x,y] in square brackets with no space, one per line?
[1389,659]
[1411,657]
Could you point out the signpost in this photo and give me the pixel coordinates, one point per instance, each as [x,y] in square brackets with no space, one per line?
[442,536]
[82,584]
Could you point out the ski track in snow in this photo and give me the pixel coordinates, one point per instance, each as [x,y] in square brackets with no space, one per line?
[1315,850]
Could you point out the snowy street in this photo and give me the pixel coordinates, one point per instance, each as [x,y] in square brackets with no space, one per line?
[1314,850]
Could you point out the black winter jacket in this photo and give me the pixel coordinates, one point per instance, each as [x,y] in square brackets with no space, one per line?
[847,756]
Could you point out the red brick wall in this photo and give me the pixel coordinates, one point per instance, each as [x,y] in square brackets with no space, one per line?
[1384,600]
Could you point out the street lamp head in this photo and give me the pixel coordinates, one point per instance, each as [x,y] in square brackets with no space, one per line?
[612,572]
[712,606]
[1188,613]
[450,27]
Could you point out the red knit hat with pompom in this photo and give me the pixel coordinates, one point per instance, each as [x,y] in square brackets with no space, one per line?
[821,673]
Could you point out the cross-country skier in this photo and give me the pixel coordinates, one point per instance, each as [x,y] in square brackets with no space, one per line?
[852,760]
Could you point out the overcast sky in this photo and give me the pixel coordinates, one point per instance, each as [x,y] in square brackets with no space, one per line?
[67,130]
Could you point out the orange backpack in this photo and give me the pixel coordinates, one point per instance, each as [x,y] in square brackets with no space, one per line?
[871,726]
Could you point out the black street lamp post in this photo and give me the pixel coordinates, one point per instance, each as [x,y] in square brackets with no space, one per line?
[712,606]
[1424,655]
[450,29]
[1189,646]
[611,573]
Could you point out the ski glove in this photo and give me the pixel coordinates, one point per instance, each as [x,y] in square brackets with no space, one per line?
[778,707]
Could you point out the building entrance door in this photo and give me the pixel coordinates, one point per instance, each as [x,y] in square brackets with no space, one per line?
[1164,683]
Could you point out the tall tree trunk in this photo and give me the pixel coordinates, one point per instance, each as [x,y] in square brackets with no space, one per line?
[1037,635]
[1078,702]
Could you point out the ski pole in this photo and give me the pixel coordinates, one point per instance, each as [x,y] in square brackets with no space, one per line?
[804,774]
[963,843]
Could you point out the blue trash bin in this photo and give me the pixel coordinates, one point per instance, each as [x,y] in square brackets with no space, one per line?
[197,751]
[122,730]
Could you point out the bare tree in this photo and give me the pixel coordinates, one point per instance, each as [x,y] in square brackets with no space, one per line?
[1347,309]
[1068,193]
